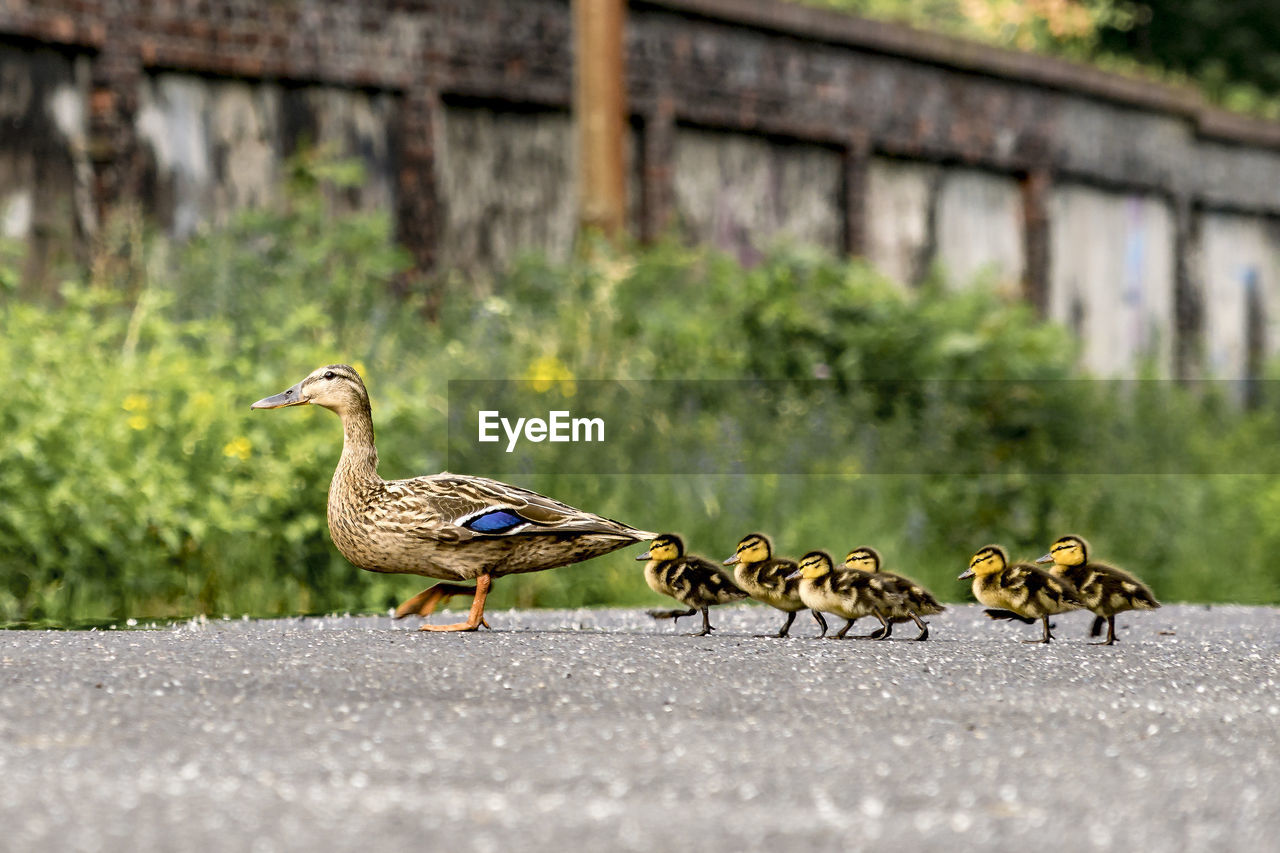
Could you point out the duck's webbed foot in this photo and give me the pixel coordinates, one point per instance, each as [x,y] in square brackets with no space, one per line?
[671,614]
[426,602]
[995,614]
[475,618]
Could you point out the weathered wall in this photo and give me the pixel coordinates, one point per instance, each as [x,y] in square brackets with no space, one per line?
[1117,206]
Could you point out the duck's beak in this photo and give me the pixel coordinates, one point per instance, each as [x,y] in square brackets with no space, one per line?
[291,397]
[1047,558]
[792,576]
[968,574]
[731,560]
[643,556]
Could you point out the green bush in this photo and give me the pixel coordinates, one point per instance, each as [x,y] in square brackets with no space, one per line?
[135,482]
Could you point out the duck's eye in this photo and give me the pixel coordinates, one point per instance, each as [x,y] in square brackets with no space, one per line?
[328,374]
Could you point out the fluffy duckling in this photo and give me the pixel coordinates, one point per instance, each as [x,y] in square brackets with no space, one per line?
[689,579]
[771,580]
[847,592]
[1104,589]
[919,601]
[1019,591]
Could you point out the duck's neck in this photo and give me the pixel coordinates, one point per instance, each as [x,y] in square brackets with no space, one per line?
[359,460]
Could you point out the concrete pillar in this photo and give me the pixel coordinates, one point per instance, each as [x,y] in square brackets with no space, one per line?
[1036,184]
[419,214]
[855,166]
[1188,294]
[657,165]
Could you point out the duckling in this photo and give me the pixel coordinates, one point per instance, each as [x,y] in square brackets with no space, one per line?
[920,602]
[771,580]
[687,578]
[1105,590]
[445,526]
[1019,591]
[850,593]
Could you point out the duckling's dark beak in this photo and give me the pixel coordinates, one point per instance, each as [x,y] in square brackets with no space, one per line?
[731,560]
[292,397]
[1047,558]
[967,574]
[643,556]
[792,576]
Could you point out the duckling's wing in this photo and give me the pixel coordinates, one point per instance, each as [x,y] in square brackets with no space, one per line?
[715,584]
[453,508]
[773,576]
[1046,589]
[1116,585]
[921,599]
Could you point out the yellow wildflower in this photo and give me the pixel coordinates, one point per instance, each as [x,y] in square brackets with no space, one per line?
[548,372]
[237,448]
[136,403]
[138,422]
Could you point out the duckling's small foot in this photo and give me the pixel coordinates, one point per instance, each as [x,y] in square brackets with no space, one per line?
[706,624]
[881,633]
[924,633]
[998,615]
[1111,632]
[1047,635]
[671,614]
[822,623]
[475,618]
[847,625]
[786,626]
[1096,628]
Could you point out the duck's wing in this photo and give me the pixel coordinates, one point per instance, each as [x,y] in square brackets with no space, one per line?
[454,508]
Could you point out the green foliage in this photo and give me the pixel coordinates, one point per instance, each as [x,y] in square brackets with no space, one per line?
[134,480]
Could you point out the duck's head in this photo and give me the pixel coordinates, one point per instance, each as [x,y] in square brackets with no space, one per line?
[754,548]
[337,387]
[864,559]
[815,564]
[989,560]
[1067,551]
[668,546]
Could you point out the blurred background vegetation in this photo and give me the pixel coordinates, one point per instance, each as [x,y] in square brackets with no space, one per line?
[135,482]
[1230,51]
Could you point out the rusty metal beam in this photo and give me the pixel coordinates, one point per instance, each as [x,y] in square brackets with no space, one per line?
[600,112]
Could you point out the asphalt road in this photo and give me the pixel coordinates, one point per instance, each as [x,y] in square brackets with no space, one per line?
[604,730]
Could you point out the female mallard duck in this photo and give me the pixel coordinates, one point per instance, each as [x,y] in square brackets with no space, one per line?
[444,525]
[1019,591]
[1104,589]
[687,578]
[773,581]
[850,593]
[919,601]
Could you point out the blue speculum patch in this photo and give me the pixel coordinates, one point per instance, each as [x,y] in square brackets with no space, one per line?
[494,522]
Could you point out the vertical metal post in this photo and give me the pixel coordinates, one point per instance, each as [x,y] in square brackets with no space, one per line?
[599,101]
[1036,185]
[855,163]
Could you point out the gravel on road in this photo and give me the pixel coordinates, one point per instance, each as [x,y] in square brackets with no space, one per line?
[605,730]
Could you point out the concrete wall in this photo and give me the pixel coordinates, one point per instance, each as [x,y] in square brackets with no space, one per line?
[1112,277]
[1131,211]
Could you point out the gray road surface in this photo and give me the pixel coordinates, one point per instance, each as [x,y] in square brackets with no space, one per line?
[604,730]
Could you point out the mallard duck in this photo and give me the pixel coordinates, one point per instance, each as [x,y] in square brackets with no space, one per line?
[687,578]
[1019,590]
[1105,590]
[446,526]
[919,601]
[850,593]
[771,580]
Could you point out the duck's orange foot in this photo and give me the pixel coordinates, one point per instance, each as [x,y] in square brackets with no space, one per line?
[476,617]
[425,602]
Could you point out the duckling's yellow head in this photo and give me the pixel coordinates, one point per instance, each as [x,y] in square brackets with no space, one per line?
[668,546]
[864,559]
[815,564]
[1067,551]
[337,387]
[754,548]
[989,560]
